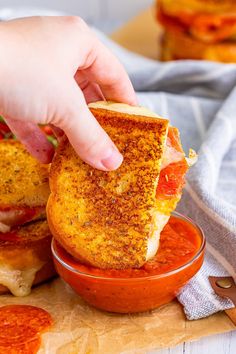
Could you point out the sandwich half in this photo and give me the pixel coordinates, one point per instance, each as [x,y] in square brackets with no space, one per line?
[24,187]
[114,219]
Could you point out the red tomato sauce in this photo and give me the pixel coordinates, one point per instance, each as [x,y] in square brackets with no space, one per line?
[21,327]
[179,243]
[178,259]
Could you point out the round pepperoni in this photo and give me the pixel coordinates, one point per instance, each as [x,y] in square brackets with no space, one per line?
[20,328]
[172,179]
[30,347]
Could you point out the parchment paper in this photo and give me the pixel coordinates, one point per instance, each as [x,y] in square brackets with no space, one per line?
[81,329]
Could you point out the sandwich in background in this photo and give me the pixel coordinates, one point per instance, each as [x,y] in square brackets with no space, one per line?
[197,29]
[24,187]
[114,219]
[25,239]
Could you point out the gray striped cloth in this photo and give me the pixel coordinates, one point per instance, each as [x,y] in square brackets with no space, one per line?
[200,99]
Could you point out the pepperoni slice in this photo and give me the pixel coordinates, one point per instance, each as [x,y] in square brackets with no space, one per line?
[30,347]
[172,179]
[20,328]
[10,236]
[174,138]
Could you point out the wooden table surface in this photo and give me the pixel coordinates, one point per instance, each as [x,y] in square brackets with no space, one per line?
[219,344]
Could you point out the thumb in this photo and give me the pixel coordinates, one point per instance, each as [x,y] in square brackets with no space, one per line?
[85,134]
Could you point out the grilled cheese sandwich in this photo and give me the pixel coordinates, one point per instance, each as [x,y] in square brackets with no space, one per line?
[114,219]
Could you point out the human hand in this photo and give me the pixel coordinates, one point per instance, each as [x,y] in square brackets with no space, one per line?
[49,68]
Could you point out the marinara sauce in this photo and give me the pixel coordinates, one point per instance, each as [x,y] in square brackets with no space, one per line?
[178,244]
[179,257]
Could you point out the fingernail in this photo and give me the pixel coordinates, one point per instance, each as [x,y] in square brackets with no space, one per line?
[113,160]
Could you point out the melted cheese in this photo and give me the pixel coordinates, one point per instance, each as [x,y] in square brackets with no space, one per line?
[10,217]
[9,214]
[7,219]
[171,155]
[19,282]
[4,228]
[153,241]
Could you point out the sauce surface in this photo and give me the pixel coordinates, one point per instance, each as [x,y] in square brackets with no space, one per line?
[20,328]
[179,243]
[135,290]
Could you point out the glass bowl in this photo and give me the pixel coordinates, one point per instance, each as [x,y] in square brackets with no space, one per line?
[127,294]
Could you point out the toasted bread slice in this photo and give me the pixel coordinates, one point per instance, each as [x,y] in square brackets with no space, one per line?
[24,187]
[109,219]
[25,258]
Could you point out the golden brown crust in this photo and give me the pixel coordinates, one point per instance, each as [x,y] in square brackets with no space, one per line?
[105,218]
[179,45]
[23,180]
[173,7]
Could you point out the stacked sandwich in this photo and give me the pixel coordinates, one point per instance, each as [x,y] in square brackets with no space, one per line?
[25,254]
[198,29]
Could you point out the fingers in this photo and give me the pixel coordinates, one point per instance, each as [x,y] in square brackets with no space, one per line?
[109,74]
[57,131]
[91,91]
[87,137]
[33,138]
